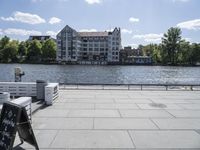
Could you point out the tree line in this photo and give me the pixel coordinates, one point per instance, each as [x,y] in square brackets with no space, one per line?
[13,51]
[173,50]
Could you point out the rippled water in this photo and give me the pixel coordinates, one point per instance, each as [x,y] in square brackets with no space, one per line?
[103,74]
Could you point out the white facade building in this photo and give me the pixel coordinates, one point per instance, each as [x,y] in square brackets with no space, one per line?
[73,46]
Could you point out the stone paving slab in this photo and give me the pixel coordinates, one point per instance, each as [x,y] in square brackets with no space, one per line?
[116,106]
[123,124]
[52,113]
[145,113]
[185,113]
[166,139]
[62,123]
[169,101]
[72,106]
[177,123]
[190,106]
[93,113]
[92,139]
[130,100]
[168,106]
[194,101]
[90,101]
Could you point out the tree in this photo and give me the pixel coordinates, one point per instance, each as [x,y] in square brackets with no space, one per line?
[22,51]
[171,45]
[9,52]
[154,51]
[34,51]
[3,42]
[49,50]
[195,54]
[185,53]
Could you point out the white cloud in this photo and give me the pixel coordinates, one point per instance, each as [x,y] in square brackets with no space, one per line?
[149,37]
[190,25]
[7,19]
[25,18]
[54,20]
[133,45]
[181,0]
[1,32]
[133,20]
[21,32]
[34,1]
[110,30]
[91,2]
[188,39]
[126,31]
[88,30]
[52,33]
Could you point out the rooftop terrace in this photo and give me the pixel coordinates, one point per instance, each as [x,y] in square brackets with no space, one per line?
[119,119]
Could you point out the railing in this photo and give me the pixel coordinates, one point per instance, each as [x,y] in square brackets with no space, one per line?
[91,86]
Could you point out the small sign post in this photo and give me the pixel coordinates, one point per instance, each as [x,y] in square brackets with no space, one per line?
[14,119]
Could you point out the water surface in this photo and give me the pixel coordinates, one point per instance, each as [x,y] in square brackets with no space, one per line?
[103,74]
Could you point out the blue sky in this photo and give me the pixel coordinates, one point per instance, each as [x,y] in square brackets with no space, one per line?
[141,21]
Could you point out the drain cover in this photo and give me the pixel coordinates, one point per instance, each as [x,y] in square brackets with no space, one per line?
[158,105]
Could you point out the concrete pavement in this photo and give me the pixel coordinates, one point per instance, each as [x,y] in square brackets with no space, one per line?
[119,119]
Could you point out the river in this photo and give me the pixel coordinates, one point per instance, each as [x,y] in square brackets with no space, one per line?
[103,74]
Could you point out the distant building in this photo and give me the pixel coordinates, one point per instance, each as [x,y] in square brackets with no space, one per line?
[40,37]
[73,46]
[133,56]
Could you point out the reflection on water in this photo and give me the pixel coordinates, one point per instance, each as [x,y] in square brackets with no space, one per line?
[103,74]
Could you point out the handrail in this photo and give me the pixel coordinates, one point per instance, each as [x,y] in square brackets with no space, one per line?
[166,85]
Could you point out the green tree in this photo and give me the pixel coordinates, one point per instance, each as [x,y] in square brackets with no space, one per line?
[34,52]
[154,51]
[3,42]
[22,51]
[195,54]
[49,50]
[171,45]
[185,54]
[9,52]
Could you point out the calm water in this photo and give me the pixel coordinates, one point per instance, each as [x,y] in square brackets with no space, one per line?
[103,74]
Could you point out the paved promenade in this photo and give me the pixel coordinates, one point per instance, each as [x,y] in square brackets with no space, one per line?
[119,119]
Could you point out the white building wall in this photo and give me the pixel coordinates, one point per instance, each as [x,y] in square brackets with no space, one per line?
[68,52]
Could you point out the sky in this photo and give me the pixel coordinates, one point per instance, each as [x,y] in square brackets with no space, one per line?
[140,21]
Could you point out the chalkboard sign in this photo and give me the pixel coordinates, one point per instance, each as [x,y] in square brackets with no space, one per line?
[8,121]
[25,130]
[14,118]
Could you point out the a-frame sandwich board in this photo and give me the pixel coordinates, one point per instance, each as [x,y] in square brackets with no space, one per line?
[14,118]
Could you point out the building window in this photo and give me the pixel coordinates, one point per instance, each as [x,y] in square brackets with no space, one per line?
[96,45]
